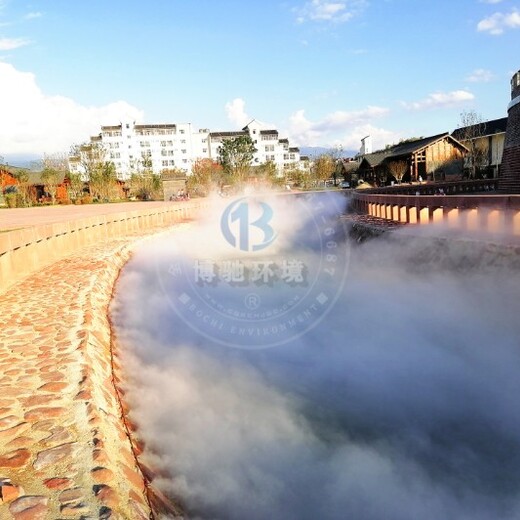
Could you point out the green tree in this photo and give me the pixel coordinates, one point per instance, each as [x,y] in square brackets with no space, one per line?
[236,157]
[102,181]
[144,183]
[270,173]
[98,171]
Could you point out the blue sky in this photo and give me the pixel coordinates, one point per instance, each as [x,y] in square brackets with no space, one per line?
[322,72]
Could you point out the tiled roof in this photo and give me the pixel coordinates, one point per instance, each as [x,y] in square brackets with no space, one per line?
[35,178]
[227,134]
[496,126]
[376,158]
[144,127]
[408,148]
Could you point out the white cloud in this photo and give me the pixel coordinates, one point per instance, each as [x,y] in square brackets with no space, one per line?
[441,100]
[380,137]
[480,76]
[490,1]
[235,111]
[36,123]
[337,127]
[324,11]
[497,23]
[32,15]
[7,44]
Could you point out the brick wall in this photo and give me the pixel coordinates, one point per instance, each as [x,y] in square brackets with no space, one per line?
[509,180]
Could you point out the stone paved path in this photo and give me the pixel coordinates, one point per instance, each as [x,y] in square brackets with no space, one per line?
[64,451]
[26,217]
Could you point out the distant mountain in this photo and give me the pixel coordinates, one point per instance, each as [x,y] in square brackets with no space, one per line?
[19,160]
[313,151]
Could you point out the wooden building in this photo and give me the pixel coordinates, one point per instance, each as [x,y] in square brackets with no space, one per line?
[436,157]
[487,140]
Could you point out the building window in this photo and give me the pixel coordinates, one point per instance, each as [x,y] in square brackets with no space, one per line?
[183,151]
[165,163]
[185,160]
[145,144]
[172,162]
[183,141]
[269,148]
[181,131]
[204,150]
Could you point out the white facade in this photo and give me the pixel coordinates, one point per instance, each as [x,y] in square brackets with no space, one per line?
[178,146]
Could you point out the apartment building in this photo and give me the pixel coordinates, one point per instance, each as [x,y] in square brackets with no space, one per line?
[168,146]
[178,146]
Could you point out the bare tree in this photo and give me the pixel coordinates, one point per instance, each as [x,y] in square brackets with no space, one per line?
[51,180]
[471,129]
[398,169]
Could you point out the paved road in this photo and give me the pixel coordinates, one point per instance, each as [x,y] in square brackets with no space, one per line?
[26,217]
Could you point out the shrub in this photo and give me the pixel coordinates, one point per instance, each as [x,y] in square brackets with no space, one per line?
[10,200]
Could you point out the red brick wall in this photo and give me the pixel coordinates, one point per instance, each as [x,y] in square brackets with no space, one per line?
[509,180]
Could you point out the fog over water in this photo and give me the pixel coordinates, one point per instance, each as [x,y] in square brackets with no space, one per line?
[401,403]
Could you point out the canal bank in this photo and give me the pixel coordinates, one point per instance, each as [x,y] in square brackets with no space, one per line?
[65,450]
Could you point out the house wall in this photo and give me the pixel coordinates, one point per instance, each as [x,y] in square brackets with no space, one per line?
[441,153]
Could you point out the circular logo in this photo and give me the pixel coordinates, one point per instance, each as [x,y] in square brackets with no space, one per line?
[263,272]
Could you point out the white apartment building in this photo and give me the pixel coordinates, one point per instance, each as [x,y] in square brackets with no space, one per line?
[178,146]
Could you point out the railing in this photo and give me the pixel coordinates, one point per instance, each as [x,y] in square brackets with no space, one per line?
[490,213]
[446,187]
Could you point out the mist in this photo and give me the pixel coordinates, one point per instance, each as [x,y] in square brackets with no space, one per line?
[400,402]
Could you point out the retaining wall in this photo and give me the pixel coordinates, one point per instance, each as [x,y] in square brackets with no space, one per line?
[26,250]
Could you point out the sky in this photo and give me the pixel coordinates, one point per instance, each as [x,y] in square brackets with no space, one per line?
[324,73]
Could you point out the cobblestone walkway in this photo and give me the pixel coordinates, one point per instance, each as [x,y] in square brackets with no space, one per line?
[64,451]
